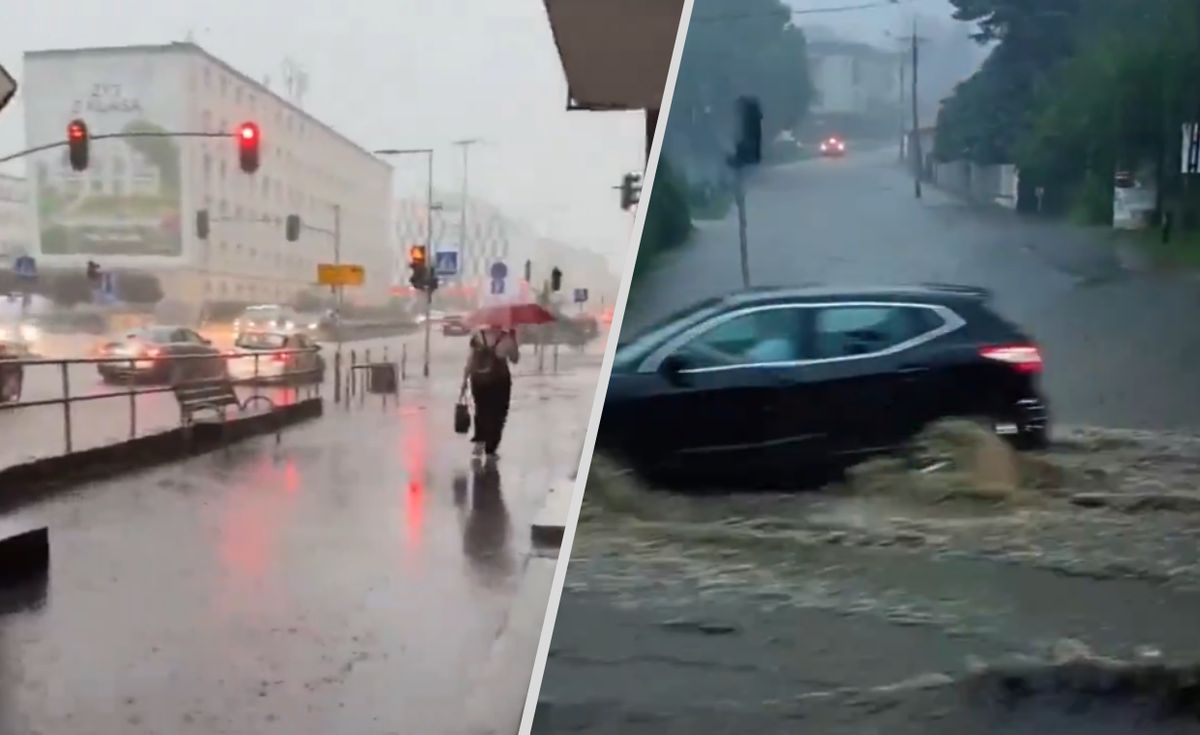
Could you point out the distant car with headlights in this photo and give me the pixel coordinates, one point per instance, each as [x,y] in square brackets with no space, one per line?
[20,336]
[268,357]
[160,354]
[266,317]
[833,147]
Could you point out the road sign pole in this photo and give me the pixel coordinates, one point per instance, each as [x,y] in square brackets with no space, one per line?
[337,308]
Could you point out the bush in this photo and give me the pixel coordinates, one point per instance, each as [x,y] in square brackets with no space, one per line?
[668,221]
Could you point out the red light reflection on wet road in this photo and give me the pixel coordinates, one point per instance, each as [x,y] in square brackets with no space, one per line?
[415,455]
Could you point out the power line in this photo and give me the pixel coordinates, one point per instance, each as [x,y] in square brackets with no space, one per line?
[810,11]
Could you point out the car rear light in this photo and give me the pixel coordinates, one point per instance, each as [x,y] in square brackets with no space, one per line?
[279,358]
[1025,358]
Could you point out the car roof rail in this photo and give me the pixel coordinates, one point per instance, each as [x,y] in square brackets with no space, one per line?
[977,292]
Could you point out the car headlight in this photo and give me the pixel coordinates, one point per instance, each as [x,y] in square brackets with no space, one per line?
[314,325]
[4,334]
[289,325]
[30,333]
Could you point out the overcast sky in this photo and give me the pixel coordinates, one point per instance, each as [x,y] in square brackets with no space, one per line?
[869,24]
[394,73]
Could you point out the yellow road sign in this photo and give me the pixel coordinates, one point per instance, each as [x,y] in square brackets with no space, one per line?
[342,274]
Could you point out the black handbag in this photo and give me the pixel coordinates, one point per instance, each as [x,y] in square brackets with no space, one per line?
[462,418]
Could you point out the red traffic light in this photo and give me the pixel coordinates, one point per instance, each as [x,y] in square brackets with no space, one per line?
[248,140]
[77,144]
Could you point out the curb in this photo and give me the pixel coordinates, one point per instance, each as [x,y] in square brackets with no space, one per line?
[550,523]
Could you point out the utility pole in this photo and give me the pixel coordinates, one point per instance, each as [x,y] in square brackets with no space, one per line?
[431,258]
[337,259]
[918,159]
[462,222]
[903,144]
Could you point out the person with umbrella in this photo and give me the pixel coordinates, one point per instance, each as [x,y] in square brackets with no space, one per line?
[493,346]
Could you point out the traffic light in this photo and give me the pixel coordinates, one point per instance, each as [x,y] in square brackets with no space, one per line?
[248,140]
[202,224]
[93,272]
[556,280]
[77,144]
[291,227]
[749,144]
[631,190]
[528,271]
[419,266]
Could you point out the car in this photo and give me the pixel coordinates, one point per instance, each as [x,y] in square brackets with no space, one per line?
[20,336]
[266,317]
[258,360]
[153,355]
[833,147]
[316,324]
[780,384]
[454,325]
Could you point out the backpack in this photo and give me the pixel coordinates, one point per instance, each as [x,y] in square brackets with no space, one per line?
[486,366]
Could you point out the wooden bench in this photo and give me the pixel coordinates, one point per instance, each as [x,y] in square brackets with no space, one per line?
[217,396]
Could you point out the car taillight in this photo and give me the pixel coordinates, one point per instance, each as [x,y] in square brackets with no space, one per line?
[279,358]
[1024,358]
[153,352]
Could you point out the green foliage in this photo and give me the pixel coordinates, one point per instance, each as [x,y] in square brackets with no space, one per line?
[668,220]
[1074,91]
[734,48]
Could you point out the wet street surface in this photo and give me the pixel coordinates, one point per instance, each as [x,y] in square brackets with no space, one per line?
[1119,340]
[906,602]
[876,611]
[365,575]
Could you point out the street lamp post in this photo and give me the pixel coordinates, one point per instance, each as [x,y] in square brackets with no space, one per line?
[428,153]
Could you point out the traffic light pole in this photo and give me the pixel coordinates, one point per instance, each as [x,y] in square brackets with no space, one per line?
[155,134]
[337,313]
[740,197]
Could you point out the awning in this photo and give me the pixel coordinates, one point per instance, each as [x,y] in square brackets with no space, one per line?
[615,53]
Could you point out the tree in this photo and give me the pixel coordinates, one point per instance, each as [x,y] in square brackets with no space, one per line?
[668,221]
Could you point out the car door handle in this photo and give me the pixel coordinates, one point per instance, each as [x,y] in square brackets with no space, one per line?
[912,370]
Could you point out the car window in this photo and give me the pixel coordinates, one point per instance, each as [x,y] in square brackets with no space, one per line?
[770,335]
[848,331]
[260,341]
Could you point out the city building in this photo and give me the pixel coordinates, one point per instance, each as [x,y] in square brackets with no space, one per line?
[852,78]
[135,206]
[493,237]
[16,233]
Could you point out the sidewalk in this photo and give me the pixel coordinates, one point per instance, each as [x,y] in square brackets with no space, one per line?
[363,576]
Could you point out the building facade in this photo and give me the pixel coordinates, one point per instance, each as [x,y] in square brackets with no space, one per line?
[493,237]
[16,232]
[135,206]
[852,78]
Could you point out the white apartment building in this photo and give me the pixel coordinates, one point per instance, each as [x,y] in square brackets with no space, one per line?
[16,234]
[494,237]
[852,78]
[135,206]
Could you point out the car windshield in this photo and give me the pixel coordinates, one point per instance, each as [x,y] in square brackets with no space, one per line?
[261,341]
[641,345]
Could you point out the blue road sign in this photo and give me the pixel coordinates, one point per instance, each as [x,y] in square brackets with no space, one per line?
[25,267]
[499,271]
[446,262]
[581,295]
[497,286]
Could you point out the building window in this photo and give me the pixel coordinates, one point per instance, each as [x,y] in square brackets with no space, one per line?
[253,100]
[224,85]
[223,169]
[206,121]
[208,80]
[237,212]
[237,94]
[223,208]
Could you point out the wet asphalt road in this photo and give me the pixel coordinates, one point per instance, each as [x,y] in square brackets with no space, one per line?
[363,576]
[1120,341]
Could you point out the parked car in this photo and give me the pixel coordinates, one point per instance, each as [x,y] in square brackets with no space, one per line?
[259,360]
[160,354]
[454,325]
[774,383]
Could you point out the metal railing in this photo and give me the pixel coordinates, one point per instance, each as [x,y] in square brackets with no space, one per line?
[133,371]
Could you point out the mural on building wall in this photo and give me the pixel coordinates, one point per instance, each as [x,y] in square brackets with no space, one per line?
[128,200]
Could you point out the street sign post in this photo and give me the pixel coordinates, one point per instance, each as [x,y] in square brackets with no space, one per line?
[340,274]
[1190,153]
[8,87]
[446,263]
